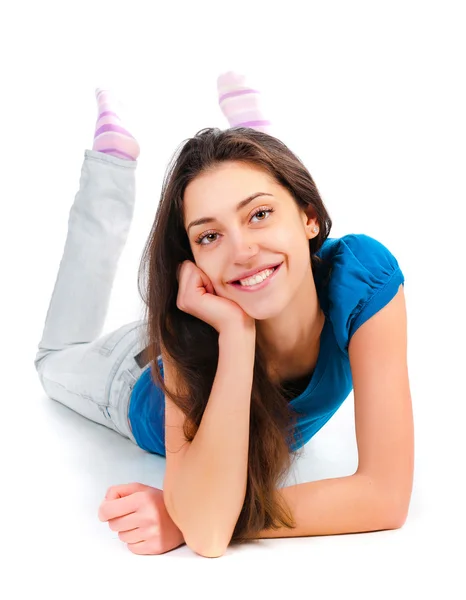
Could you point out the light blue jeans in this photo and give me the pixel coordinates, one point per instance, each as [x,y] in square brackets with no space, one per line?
[93,375]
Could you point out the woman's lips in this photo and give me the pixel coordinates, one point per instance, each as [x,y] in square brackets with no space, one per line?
[257,286]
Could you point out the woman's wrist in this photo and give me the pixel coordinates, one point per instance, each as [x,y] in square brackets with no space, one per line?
[239,331]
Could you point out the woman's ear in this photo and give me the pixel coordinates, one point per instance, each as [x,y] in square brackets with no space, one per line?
[310,223]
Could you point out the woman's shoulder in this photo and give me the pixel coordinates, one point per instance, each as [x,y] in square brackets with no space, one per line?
[364,275]
[364,248]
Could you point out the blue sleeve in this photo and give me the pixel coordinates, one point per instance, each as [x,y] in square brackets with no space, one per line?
[365,277]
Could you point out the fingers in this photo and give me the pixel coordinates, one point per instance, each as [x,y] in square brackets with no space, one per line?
[125,489]
[126,523]
[141,534]
[119,507]
[188,273]
[206,283]
[146,547]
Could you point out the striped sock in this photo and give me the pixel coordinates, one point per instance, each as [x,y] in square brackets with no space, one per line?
[240,103]
[110,136]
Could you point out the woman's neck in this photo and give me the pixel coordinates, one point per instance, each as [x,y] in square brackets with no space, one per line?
[291,342]
[301,359]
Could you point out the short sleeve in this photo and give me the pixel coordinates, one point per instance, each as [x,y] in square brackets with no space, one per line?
[365,277]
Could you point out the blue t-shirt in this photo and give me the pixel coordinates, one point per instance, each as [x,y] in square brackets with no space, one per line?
[364,277]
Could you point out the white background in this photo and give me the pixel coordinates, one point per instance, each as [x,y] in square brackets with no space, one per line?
[370,95]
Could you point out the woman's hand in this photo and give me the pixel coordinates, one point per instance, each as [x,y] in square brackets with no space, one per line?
[196,296]
[137,512]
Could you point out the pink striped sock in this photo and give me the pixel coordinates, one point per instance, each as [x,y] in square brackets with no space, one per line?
[110,136]
[240,103]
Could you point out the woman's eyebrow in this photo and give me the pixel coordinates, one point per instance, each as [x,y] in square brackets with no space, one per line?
[239,206]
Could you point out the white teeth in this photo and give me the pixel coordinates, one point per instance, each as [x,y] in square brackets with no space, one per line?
[258,278]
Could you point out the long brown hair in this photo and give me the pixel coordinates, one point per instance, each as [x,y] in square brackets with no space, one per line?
[193,344]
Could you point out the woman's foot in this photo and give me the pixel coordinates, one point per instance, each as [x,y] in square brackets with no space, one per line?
[110,136]
[240,103]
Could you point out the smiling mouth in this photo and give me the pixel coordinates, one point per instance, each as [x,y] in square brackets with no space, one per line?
[237,281]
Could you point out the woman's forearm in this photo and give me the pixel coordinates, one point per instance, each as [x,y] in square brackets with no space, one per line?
[210,487]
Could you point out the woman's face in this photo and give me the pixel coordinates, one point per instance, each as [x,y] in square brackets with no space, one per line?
[250,222]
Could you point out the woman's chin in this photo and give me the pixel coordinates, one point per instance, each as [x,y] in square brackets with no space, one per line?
[261,314]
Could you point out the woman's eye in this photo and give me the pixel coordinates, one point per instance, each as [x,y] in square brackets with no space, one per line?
[200,239]
[205,236]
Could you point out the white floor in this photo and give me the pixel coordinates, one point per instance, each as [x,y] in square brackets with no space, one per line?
[59,465]
[371,99]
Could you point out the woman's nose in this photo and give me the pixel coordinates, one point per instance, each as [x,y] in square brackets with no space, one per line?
[243,248]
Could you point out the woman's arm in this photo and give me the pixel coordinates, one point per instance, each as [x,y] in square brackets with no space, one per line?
[207,495]
[377,496]
[352,504]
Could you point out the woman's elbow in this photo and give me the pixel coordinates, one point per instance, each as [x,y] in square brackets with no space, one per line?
[209,550]
[211,546]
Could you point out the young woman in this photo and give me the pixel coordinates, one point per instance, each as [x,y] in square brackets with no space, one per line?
[258,325]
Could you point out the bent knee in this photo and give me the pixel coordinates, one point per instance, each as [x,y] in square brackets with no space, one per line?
[39,361]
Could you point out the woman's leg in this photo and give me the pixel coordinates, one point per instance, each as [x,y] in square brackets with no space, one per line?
[75,366]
